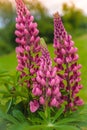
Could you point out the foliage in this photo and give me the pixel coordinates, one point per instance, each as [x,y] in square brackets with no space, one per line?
[46,31]
[6,12]
[72,15]
[7,15]
[3,46]
[74,19]
[21,106]
[14,115]
[37,8]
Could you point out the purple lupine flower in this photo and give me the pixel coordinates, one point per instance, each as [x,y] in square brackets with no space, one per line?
[46,85]
[66,62]
[28,41]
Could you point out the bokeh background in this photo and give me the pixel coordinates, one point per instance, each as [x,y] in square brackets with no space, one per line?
[74,16]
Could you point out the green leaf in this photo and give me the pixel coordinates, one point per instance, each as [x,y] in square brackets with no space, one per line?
[8,105]
[3,92]
[7,117]
[26,126]
[41,114]
[78,118]
[18,115]
[36,120]
[66,120]
[81,124]
[67,127]
[47,113]
[60,111]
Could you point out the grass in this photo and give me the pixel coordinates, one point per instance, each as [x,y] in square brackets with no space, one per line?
[81,43]
[9,62]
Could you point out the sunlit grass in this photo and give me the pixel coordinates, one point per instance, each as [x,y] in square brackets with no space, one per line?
[8,62]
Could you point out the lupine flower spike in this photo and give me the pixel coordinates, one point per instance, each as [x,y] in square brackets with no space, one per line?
[28,41]
[66,62]
[46,86]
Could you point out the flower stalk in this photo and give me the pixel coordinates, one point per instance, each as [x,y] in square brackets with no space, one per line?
[28,49]
[46,85]
[66,62]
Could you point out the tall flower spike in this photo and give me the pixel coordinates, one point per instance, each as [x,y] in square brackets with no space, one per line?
[46,86]
[66,62]
[28,41]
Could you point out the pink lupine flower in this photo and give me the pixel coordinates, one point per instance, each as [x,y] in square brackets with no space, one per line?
[48,92]
[71,105]
[54,102]
[53,73]
[42,100]
[48,82]
[78,101]
[48,74]
[56,90]
[34,105]
[52,82]
[43,82]
[27,38]
[66,63]
[36,91]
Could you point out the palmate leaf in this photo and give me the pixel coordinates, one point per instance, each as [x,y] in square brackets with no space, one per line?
[18,115]
[66,127]
[7,117]
[5,108]
[11,120]
[4,92]
[35,120]
[66,121]
[8,105]
[78,118]
[43,117]
[47,113]
[26,126]
[82,124]
[60,111]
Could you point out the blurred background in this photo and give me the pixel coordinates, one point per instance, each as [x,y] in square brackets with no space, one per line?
[74,16]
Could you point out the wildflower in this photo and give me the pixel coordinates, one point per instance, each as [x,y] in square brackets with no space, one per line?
[34,105]
[47,82]
[66,62]
[28,42]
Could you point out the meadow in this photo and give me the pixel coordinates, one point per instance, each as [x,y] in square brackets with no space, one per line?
[9,62]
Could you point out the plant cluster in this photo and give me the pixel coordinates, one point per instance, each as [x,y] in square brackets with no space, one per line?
[44,92]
